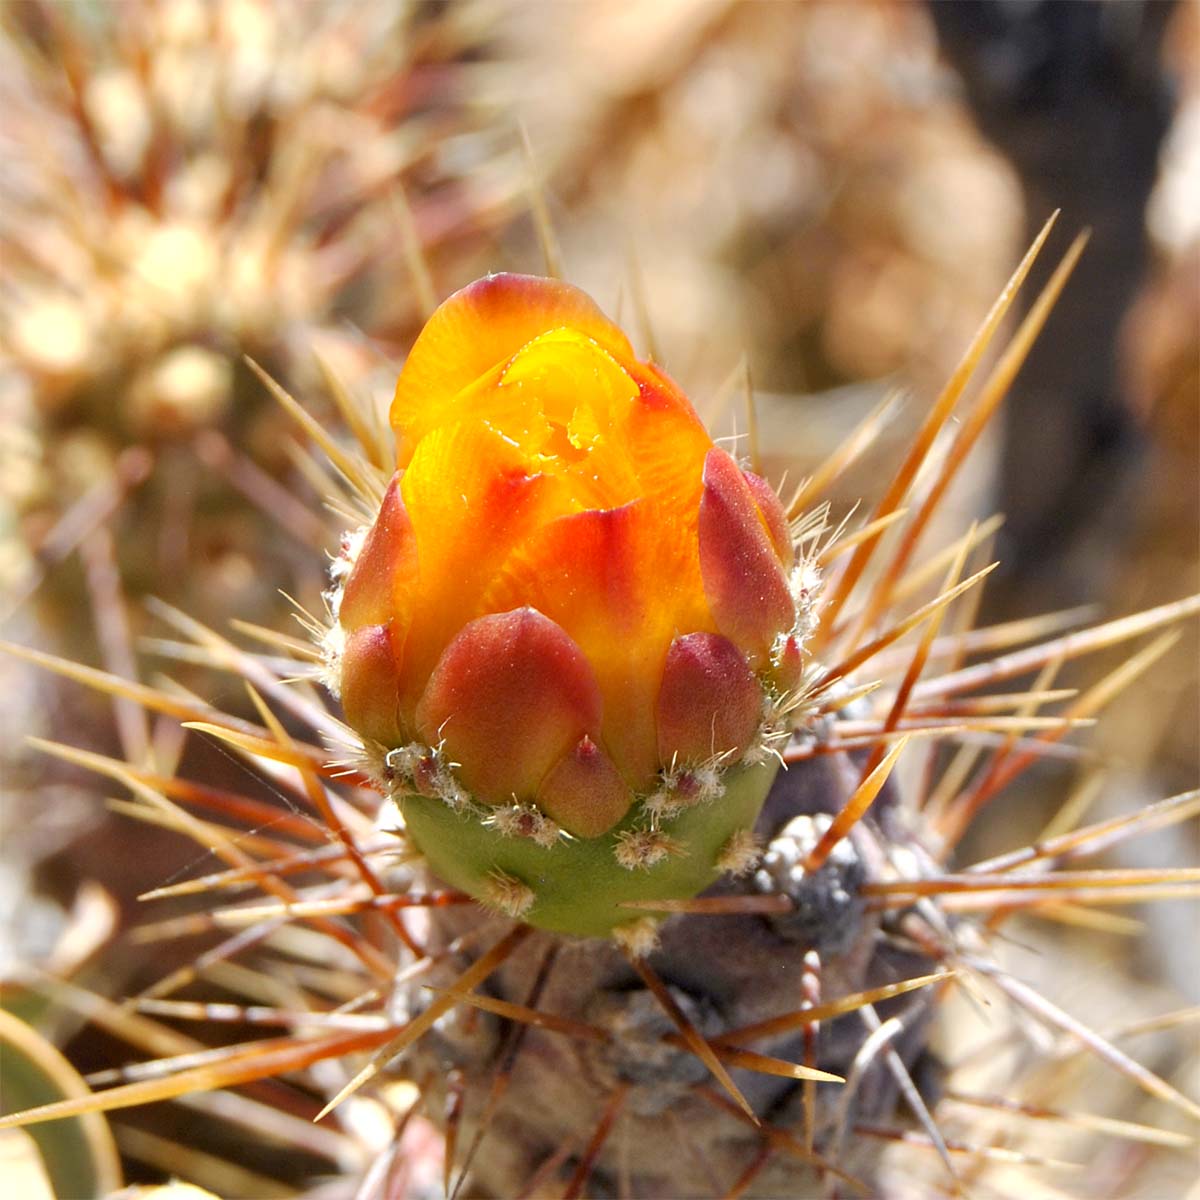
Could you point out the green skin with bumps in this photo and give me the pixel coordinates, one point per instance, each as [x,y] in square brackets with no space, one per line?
[578,884]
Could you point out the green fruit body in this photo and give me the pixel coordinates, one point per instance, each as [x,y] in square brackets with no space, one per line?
[577,883]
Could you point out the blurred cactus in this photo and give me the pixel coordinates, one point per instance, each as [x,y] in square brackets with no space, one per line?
[879,216]
[188,183]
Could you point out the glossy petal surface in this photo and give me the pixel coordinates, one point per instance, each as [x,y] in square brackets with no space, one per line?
[384,580]
[620,582]
[476,496]
[371,670]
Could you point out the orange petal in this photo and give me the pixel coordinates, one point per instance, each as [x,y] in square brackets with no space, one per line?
[384,579]
[370,685]
[583,791]
[621,582]
[472,498]
[770,508]
[483,326]
[743,577]
[710,703]
[667,441]
[660,389]
[511,695]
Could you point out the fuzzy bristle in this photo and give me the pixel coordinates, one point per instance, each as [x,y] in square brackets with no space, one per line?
[641,849]
[740,854]
[520,820]
[637,938]
[508,895]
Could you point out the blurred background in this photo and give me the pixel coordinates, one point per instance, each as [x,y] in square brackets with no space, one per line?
[831,194]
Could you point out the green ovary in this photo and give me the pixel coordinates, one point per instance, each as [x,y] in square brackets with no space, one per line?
[578,886]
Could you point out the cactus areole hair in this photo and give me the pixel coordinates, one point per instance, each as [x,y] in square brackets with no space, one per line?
[572,633]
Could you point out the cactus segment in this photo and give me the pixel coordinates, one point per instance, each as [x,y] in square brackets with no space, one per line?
[578,884]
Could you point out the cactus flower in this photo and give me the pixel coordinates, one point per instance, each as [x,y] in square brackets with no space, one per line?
[571,626]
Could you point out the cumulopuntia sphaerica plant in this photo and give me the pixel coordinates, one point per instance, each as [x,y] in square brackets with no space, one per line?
[576,646]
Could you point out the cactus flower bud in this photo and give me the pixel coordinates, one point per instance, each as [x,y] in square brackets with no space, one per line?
[565,635]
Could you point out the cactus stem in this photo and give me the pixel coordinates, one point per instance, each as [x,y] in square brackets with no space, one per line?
[720,906]
[612,1110]
[826,1011]
[474,975]
[854,808]
[525,1015]
[780,1139]
[695,1041]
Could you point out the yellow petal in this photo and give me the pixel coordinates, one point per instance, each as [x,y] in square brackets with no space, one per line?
[480,328]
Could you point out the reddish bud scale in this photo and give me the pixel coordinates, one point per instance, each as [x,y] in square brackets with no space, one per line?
[370,684]
[787,666]
[572,603]
[710,704]
[744,580]
[771,510]
[386,564]
[584,792]
[509,698]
